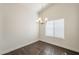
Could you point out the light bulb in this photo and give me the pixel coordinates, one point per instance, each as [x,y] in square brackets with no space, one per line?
[46,19]
[38,20]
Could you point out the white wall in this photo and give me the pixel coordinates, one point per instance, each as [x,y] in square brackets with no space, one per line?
[18,26]
[2,41]
[70,13]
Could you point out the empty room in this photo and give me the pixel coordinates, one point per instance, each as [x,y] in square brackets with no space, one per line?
[39,29]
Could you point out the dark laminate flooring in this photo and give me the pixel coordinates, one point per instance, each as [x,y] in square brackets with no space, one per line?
[41,48]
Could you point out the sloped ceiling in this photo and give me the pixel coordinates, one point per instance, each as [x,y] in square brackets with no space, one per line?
[37,7]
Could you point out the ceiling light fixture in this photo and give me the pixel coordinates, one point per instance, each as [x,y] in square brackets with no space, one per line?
[41,20]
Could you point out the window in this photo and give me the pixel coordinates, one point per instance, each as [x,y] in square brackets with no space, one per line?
[49,28]
[55,28]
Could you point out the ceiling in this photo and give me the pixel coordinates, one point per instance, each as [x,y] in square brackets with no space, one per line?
[37,7]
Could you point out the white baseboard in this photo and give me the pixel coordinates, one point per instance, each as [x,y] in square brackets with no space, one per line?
[14,48]
[27,43]
[60,46]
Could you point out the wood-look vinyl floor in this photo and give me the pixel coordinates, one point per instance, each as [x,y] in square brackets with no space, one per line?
[41,48]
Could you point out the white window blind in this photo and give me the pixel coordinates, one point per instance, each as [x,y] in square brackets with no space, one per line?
[49,29]
[55,28]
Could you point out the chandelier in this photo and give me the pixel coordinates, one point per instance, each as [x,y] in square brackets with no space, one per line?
[42,20]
